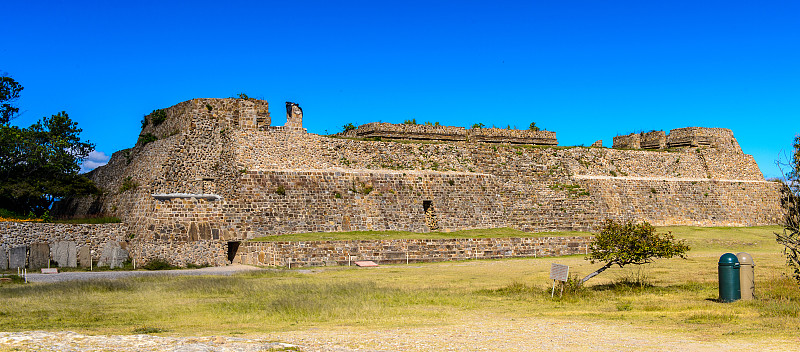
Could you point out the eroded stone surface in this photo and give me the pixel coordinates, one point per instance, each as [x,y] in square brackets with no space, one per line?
[39,255]
[65,253]
[3,259]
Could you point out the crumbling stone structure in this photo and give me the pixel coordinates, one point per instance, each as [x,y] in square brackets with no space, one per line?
[393,131]
[689,137]
[219,175]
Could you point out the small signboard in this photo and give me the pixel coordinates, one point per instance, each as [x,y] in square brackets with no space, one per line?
[559,272]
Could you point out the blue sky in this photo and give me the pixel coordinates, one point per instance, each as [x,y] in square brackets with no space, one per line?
[588,70]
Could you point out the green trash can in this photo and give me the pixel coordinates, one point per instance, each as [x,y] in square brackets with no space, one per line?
[729,284]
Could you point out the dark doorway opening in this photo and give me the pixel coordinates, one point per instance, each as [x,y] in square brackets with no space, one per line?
[233,247]
[430,215]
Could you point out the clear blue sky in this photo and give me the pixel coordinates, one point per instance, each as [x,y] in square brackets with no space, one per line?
[588,70]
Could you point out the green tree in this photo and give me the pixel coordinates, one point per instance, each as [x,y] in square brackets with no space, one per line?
[629,243]
[478,125]
[40,164]
[348,127]
[533,127]
[790,238]
[9,93]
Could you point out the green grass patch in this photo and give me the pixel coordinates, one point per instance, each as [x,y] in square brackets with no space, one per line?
[97,220]
[396,235]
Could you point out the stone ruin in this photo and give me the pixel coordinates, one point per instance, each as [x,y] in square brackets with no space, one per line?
[689,137]
[219,175]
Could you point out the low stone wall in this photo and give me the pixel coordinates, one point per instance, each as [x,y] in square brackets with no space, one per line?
[653,140]
[16,234]
[452,133]
[405,131]
[321,253]
[720,138]
[501,135]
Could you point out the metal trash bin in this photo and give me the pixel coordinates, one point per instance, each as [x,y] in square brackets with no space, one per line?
[729,282]
[747,278]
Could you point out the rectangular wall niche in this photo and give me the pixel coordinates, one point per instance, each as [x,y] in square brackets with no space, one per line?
[430,215]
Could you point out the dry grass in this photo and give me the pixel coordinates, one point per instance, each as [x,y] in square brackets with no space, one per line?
[671,295]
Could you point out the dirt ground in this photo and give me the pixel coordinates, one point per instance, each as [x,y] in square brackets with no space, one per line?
[492,334]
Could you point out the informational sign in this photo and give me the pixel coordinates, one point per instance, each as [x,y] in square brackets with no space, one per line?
[559,272]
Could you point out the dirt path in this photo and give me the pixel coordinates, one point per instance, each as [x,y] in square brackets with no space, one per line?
[529,334]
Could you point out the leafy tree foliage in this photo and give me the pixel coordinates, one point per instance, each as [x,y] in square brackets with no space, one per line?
[790,238]
[478,125]
[348,127]
[629,243]
[9,92]
[533,127]
[39,164]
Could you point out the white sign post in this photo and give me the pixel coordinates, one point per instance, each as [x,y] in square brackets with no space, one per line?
[558,272]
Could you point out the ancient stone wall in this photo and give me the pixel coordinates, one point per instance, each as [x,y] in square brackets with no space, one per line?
[451,133]
[408,131]
[653,140]
[689,137]
[224,177]
[95,236]
[500,135]
[321,253]
[628,141]
[721,138]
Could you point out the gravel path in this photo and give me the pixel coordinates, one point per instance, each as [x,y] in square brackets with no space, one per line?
[482,334]
[93,275]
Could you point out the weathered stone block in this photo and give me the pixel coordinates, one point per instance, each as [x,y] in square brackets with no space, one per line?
[17,257]
[39,255]
[113,255]
[65,253]
[85,257]
[3,259]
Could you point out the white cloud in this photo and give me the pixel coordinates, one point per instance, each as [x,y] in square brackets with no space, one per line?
[95,159]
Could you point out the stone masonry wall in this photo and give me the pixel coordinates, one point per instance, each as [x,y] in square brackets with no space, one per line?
[15,234]
[688,137]
[320,253]
[452,133]
[262,180]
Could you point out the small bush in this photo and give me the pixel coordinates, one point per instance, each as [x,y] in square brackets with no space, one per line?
[348,127]
[281,190]
[128,184]
[533,127]
[478,125]
[410,122]
[209,107]
[144,121]
[158,116]
[147,330]
[158,264]
[197,266]
[147,138]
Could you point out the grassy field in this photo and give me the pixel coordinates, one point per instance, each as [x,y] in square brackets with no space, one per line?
[672,295]
[504,232]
